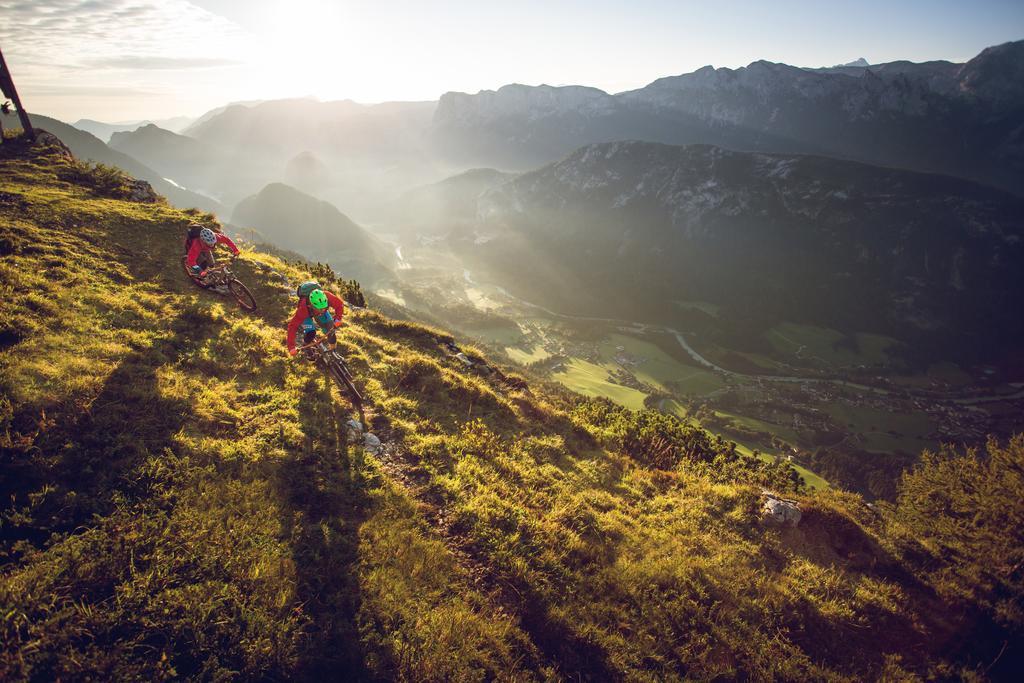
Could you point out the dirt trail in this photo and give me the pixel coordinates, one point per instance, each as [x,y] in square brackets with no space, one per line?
[556,646]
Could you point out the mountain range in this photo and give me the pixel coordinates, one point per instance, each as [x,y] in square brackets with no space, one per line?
[812,190]
[939,117]
[957,119]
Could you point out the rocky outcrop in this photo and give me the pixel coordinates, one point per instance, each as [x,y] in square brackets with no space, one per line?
[781,512]
[141,191]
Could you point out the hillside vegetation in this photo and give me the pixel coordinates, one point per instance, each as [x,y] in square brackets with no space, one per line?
[179,500]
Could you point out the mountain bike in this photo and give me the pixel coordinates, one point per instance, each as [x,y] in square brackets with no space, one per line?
[221,280]
[330,361]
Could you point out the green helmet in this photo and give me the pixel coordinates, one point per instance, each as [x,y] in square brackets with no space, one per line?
[318,300]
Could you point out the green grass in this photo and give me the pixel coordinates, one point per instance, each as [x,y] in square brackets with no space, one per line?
[179,501]
[813,481]
[503,336]
[943,373]
[703,306]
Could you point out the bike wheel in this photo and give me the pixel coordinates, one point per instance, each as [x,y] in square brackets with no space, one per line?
[242,295]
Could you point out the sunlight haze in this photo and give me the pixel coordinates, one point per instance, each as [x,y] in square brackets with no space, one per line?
[119,60]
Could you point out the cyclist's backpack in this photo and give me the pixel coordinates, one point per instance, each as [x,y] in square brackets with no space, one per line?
[303,291]
[191,236]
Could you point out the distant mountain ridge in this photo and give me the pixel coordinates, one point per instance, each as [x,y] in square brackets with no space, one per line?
[965,120]
[443,207]
[104,130]
[296,221]
[958,119]
[87,146]
[186,160]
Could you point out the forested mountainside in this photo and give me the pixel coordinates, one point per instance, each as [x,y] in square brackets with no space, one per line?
[180,500]
[628,228]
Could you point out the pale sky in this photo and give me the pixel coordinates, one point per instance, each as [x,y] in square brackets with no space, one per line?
[118,60]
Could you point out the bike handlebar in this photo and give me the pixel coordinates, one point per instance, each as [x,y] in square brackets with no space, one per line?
[317,341]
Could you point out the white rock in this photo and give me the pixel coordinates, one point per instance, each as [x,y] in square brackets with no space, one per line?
[780,512]
[371,443]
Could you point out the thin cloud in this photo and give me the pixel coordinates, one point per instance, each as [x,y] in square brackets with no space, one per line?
[90,91]
[66,34]
[141,62]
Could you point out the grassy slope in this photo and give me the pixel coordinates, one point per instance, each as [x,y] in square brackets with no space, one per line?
[177,500]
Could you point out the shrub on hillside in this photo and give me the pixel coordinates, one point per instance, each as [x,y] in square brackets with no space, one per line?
[106,181]
[349,290]
[967,510]
[660,441]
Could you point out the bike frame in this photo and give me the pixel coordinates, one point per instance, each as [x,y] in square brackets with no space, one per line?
[334,365]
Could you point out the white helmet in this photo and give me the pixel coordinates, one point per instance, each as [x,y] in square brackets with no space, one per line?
[208,237]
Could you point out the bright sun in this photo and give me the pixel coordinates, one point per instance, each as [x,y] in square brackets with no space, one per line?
[314,47]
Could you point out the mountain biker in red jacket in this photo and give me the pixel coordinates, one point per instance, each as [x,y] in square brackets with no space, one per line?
[200,252]
[314,313]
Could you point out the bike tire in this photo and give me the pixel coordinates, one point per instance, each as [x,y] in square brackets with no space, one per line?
[242,295]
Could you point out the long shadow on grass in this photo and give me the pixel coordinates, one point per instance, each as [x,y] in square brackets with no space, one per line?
[829,539]
[84,458]
[323,505]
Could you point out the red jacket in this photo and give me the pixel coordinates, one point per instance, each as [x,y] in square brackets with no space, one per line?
[303,312]
[198,247]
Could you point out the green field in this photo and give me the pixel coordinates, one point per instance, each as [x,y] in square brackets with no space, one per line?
[942,373]
[819,344]
[810,478]
[874,424]
[784,432]
[505,335]
[526,356]
[592,380]
[480,300]
[657,368]
[703,306]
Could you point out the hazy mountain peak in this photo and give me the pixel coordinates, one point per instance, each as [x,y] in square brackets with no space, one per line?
[517,100]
